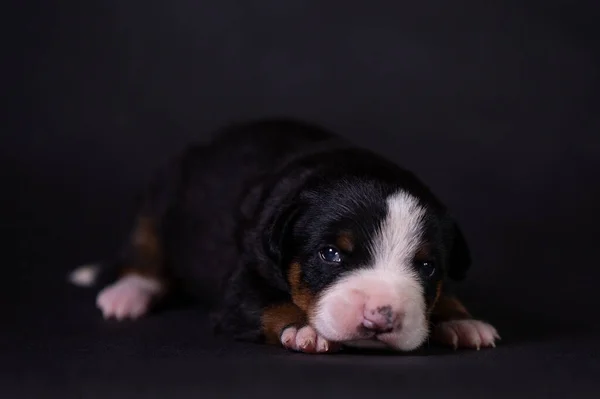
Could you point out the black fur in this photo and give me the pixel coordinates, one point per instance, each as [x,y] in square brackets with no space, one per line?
[235,213]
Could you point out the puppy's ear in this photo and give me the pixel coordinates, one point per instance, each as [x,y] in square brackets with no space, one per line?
[277,234]
[459,260]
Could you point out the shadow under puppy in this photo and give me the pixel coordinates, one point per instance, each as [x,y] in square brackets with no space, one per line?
[296,237]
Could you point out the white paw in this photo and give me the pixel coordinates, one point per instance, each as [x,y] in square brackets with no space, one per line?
[84,276]
[466,333]
[307,340]
[130,297]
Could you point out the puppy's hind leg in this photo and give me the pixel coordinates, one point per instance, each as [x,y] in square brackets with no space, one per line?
[142,279]
[143,274]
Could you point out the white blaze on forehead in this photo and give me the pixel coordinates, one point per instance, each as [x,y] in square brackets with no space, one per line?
[400,233]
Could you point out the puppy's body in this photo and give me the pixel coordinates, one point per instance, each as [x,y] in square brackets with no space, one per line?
[294,236]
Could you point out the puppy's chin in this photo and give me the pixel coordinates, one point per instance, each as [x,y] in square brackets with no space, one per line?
[392,301]
[405,341]
[393,341]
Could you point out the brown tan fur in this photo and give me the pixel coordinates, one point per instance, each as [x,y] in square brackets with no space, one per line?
[345,242]
[276,318]
[147,252]
[301,295]
[449,308]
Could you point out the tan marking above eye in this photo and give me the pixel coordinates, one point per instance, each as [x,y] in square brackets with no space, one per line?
[345,242]
[423,253]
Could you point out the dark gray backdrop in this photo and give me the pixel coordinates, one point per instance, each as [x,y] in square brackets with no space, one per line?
[495,105]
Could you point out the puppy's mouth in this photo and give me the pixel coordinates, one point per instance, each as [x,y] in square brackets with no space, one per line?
[369,339]
[395,339]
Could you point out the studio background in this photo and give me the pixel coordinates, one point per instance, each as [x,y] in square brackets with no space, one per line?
[495,106]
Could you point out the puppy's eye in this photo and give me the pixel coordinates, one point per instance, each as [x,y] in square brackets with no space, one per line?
[330,254]
[426,268]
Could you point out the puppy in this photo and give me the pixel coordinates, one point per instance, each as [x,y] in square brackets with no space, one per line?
[294,236]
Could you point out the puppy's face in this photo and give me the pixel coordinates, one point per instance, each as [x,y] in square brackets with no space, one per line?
[366,263]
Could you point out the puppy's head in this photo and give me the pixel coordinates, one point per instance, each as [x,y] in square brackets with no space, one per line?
[366,261]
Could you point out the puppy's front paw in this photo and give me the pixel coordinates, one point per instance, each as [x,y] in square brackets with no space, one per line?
[467,333]
[307,340]
[130,297]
